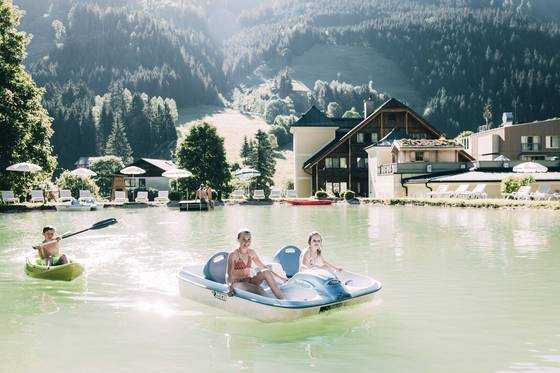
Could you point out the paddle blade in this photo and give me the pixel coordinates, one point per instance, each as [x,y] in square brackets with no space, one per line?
[104,223]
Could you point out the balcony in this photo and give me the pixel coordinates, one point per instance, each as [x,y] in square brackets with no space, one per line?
[531,147]
[422,167]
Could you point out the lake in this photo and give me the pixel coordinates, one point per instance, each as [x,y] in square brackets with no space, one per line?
[465,290]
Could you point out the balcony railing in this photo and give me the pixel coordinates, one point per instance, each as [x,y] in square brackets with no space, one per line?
[531,147]
[422,167]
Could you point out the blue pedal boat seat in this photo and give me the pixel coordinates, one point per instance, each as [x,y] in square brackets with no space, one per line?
[288,257]
[216,267]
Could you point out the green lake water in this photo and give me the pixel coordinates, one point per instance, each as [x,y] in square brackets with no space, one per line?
[464,290]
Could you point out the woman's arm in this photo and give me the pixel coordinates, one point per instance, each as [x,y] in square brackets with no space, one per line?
[330,265]
[262,266]
[304,263]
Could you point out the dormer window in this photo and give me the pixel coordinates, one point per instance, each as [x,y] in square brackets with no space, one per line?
[360,138]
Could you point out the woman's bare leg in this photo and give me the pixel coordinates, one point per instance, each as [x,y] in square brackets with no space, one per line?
[266,275]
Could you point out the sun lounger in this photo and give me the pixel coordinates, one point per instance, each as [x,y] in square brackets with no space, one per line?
[478,191]
[37,196]
[461,191]
[237,194]
[440,191]
[291,193]
[275,193]
[8,197]
[524,192]
[142,197]
[542,193]
[65,195]
[85,195]
[258,194]
[162,197]
[120,196]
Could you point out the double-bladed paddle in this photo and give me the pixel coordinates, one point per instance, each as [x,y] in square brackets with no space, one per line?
[99,225]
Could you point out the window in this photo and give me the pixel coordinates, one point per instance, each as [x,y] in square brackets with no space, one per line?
[533,157]
[328,162]
[553,142]
[131,183]
[417,156]
[360,138]
[418,135]
[142,183]
[530,143]
[343,163]
[361,162]
[336,163]
[374,137]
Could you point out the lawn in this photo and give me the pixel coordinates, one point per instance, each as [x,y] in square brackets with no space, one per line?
[233,126]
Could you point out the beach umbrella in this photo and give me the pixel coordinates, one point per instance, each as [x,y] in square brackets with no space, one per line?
[502,158]
[529,167]
[246,173]
[133,170]
[83,172]
[24,167]
[177,173]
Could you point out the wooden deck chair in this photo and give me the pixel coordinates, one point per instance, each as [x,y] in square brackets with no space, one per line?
[120,196]
[37,196]
[162,197]
[258,194]
[142,197]
[65,195]
[8,197]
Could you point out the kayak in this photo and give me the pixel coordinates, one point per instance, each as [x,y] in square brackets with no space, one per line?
[309,292]
[66,272]
[309,202]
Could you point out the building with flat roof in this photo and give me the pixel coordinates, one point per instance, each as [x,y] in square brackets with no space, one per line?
[539,140]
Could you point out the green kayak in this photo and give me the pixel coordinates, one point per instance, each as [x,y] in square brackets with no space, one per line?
[66,272]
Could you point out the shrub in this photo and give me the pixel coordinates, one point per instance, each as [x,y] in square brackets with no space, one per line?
[175,196]
[105,167]
[348,195]
[76,183]
[321,194]
[512,183]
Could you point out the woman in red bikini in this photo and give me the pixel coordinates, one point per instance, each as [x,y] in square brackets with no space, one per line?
[239,266]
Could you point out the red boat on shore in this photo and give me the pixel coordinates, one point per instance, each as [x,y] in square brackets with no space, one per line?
[309,202]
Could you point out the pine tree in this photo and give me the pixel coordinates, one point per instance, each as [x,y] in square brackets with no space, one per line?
[138,127]
[117,144]
[25,124]
[246,150]
[262,159]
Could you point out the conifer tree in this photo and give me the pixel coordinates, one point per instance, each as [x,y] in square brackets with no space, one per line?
[117,144]
[25,125]
[262,159]
[246,150]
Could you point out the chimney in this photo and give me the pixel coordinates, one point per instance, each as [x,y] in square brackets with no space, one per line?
[368,106]
[507,119]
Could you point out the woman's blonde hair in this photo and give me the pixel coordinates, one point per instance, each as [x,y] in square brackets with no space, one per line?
[314,233]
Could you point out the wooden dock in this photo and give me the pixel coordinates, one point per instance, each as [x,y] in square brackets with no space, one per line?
[193,205]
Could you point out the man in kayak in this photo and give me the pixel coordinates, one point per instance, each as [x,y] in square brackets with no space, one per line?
[49,249]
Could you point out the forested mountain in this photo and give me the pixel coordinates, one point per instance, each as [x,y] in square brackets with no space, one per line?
[460,55]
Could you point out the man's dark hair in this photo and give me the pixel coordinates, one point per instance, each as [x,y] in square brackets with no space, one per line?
[48,228]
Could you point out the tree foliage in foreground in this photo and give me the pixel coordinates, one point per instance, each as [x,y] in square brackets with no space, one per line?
[25,125]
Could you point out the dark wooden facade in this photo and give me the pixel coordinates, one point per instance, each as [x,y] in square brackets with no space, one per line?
[392,114]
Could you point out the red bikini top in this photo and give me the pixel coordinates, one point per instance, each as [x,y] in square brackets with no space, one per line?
[240,264]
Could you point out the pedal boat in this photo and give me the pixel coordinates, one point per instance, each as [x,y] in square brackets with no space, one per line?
[306,293]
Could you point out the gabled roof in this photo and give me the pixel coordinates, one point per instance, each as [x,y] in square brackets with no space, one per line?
[394,134]
[153,167]
[163,164]
[314,118]
[391,104]
[347,123]
[317,156]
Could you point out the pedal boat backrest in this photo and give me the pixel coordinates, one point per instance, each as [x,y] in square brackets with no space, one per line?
[288,257]
[216,267]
